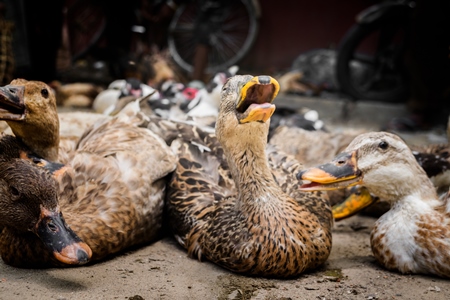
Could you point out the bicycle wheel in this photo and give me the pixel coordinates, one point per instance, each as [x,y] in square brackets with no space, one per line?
[230,42]
[370,62]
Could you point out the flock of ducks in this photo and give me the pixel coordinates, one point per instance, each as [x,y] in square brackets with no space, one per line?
[241,193]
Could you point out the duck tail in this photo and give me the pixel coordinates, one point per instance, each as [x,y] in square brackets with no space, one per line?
[128,105]
[132,111]
[193,246]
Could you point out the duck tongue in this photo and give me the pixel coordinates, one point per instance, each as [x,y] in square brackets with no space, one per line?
[255,103]
[12,105]
[257,112]
[260,89]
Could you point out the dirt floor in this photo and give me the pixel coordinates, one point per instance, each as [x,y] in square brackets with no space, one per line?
[162,270]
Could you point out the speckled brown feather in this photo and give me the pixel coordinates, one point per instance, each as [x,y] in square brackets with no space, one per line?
[314,147]
[311,147]
[435,160]
[112,193]
[431,253]
[281,236]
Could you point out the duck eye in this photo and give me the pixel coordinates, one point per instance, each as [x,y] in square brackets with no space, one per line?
[14,191]
[44,93]
[383,145]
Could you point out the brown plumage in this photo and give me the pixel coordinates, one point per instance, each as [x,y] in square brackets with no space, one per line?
[435,160]
[237,204]
[311,147]
[29,209]
[112,188]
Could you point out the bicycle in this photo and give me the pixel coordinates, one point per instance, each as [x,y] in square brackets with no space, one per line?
[370,56]
[230,42]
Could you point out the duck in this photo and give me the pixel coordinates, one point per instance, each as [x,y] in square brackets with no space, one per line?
[310,143]
[287,117]
[206,102]
[106,100]
[182,103]
[233,200]
[29,209]
[111,182]
[321,145]
[435,160]
[412,237]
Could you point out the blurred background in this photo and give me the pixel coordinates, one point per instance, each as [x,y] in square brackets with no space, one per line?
[388,51]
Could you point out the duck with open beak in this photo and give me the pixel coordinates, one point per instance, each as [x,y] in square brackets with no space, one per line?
[342,172]
[255,102]
[413,236]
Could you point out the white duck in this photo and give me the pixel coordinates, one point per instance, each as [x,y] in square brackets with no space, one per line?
[106,100]
[414,235]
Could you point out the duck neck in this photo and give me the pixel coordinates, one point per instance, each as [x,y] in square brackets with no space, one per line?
[42,139]
[251,172]
[419,189]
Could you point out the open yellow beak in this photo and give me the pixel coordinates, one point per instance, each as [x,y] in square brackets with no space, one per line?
[257,95]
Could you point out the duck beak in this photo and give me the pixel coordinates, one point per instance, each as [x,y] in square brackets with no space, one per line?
[12,105]
[340,173]
[255,102]
[66,246]
[359,199]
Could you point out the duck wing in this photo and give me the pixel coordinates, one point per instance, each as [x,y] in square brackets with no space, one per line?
[435,160]
[195,186]
[113,193]
[202,137]
[201,177]
[283,166]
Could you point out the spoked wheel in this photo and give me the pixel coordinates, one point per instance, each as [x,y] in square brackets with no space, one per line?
[370,62]
[230,41]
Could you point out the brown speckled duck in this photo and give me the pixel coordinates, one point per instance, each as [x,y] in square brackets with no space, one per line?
[414,235]
[29,208]
[111,189]
[237,203]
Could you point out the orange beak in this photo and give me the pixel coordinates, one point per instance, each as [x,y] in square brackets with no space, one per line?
[340,173]
[359,199]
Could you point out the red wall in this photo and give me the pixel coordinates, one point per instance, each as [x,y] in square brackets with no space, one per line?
[288,28]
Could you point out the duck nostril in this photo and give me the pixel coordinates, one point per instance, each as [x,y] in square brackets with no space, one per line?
[52,226]
[263,79]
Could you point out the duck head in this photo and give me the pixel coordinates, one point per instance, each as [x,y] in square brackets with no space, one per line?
[380,161]
[246,105]
[29,108]
[29,203]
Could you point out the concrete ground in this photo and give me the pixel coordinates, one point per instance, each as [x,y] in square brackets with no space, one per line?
[162,270]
